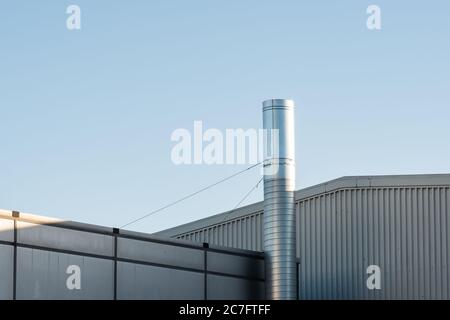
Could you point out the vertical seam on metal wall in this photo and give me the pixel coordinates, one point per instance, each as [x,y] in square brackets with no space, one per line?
[15,262]
[115,267]
[116,233]
[205,269]
[298,281]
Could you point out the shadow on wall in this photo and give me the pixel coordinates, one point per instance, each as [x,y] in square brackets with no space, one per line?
[45,258]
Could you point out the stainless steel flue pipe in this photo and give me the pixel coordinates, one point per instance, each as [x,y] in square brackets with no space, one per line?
[279,185]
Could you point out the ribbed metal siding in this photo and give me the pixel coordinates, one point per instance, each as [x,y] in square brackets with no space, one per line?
[404,230]
[245,232]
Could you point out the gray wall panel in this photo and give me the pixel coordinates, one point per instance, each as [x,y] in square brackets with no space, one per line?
[227,288]
[44,253]
[67,239]
[136,281]
[236,265]
[6,272]
[42,275]
[6,230]
[403,229]
[160,253]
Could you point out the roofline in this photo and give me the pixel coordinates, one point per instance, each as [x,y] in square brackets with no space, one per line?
[91,228]
[345,182]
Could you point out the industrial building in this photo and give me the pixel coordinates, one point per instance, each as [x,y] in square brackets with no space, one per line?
[399,223]
[366,237]
[37,253]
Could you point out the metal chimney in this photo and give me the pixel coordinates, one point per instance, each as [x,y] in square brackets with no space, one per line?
[279,215]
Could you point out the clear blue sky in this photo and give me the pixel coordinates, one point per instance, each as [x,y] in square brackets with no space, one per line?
[86,116]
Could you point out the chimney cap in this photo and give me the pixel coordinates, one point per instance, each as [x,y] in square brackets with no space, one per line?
[278,103]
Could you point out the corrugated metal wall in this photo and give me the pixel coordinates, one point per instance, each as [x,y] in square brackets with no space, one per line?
[404,230]
[242,233]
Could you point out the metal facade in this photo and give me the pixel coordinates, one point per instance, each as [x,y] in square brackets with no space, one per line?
[399,223]
[35,253]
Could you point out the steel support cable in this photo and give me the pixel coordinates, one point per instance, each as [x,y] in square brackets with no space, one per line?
[248,194]
[190,195]
[242,200]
